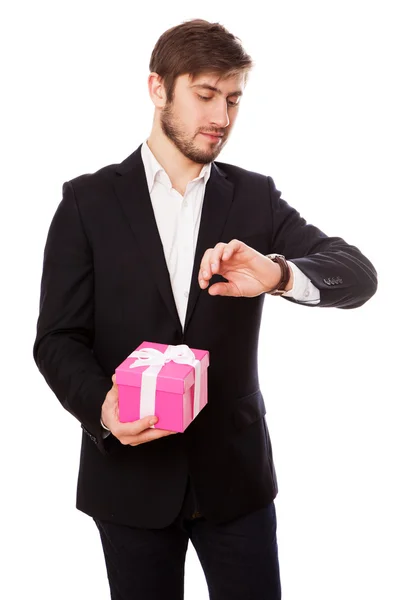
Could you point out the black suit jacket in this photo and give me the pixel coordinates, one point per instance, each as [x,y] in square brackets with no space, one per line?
[106,288]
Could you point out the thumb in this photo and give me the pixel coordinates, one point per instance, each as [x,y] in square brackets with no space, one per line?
[221,289]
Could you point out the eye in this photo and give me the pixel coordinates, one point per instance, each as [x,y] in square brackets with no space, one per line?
[231,103]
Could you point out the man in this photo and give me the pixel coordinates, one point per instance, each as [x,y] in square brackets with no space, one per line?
[173,247]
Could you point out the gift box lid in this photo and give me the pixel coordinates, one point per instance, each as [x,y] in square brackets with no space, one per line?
[174,377]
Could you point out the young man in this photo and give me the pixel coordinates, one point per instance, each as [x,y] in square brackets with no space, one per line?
[173,247]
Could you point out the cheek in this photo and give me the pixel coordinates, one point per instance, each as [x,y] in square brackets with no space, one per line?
[192,116]
[233,116]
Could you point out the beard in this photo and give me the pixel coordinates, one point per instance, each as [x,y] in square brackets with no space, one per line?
[174,131]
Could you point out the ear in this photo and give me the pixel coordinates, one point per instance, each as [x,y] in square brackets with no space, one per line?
[157,90]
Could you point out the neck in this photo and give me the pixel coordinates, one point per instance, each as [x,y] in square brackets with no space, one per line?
[178,167]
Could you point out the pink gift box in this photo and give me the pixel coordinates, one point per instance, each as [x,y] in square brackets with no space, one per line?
[174,389]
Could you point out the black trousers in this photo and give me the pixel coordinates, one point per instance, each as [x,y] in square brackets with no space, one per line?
[239,558]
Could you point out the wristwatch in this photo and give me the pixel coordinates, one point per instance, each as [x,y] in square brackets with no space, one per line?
[285,274]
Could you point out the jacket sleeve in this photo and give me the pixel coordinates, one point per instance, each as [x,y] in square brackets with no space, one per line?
[65,329]
[344,276]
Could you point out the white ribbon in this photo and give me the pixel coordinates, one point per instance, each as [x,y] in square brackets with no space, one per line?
[154,360]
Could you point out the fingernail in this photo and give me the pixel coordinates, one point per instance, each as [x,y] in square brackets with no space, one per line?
[153,421]
[204,273]
[213,266]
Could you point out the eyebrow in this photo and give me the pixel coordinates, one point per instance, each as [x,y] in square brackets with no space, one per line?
[215,89]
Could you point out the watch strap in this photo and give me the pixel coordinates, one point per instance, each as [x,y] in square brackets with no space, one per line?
[285,274]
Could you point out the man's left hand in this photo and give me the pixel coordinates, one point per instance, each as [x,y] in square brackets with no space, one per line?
[248,272]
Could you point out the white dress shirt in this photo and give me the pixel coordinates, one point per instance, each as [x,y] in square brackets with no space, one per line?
[178,221]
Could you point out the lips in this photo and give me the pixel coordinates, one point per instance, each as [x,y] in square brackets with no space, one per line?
[213,136]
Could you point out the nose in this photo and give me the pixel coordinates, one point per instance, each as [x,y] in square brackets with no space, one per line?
[220,117]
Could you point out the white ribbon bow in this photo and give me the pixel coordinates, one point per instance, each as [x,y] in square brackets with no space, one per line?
[154,360]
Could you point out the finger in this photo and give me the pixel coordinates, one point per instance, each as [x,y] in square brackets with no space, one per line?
[134,428]
[210,263]
[215,258]
[110,404]
[150,435]
[233,246]
[204,275]
[114,388]
[223,289]
[153,434]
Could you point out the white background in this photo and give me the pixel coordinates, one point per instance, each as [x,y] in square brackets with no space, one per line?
[321,115]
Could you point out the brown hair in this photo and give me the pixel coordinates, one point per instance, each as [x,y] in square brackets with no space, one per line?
[197,47]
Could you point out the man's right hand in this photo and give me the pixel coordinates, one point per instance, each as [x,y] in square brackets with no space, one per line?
[133,433]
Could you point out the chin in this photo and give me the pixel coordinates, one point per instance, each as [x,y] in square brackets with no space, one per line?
[208,156]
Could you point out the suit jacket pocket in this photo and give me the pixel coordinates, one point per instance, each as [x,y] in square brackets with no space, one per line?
[248,409]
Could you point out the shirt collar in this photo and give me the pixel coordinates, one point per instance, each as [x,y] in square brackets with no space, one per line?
[154,170]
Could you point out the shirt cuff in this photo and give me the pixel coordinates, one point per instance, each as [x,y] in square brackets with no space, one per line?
[303,290]
[105,432]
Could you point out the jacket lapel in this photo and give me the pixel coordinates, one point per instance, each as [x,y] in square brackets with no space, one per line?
[216,206]
[133,194]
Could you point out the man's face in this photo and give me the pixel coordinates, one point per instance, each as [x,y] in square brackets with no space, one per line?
[200,117]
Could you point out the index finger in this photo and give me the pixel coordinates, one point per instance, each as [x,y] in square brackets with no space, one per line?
[136,427]
[147,424]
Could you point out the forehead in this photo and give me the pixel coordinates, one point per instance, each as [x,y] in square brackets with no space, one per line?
[234,84]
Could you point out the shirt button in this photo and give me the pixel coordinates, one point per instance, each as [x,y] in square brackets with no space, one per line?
[186,294]
[185,203]
[307,293]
